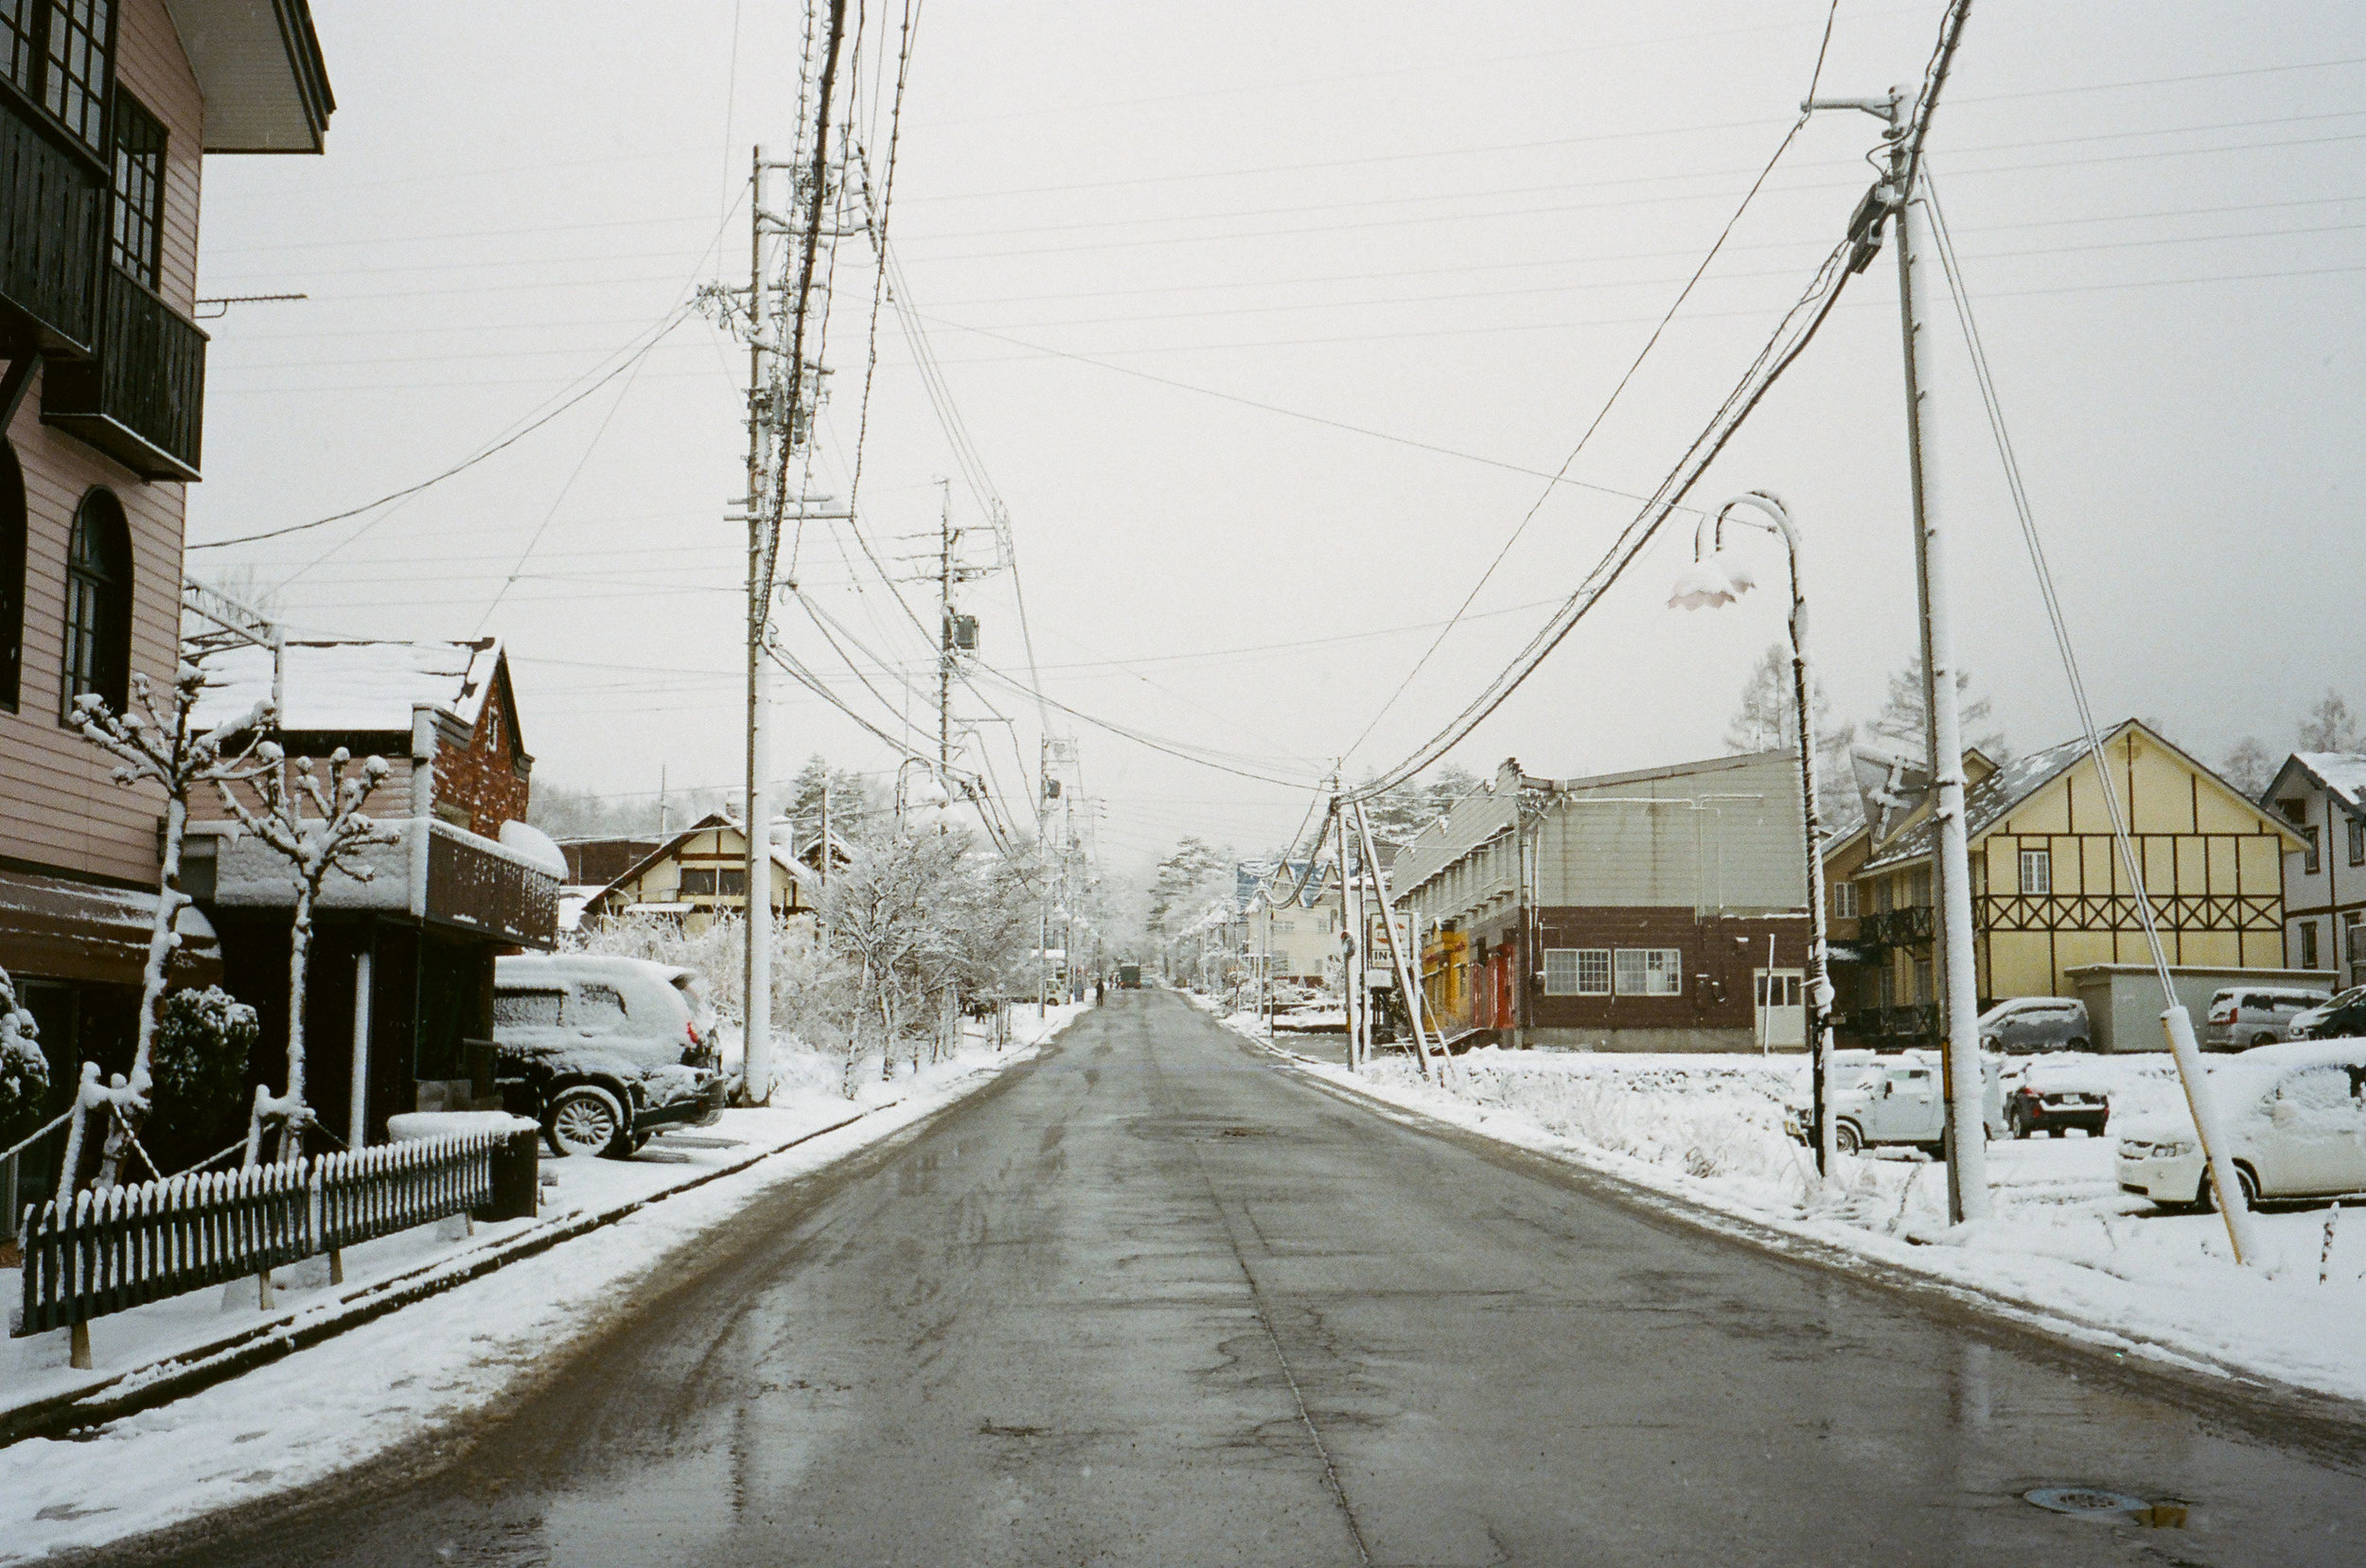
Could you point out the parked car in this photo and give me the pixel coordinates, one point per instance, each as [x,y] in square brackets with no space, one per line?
[2294,1115]
[2021,1025]
[1892,1101]
[2339,1018]
[2054,1097]
[603,1051]
[2242,1016]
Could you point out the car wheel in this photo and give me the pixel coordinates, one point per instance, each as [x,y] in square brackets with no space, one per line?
[586,1120]
[1846,1139]
[2076,1041]
[2019,1123]
[2206,1199]
[2262,1039]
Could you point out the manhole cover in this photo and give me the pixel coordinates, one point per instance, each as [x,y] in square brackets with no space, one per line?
[2085,1501]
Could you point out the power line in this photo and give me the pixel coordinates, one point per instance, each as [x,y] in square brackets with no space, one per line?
[673,319]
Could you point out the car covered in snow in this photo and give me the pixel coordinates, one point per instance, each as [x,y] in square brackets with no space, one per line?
[2020,1025]
[2054,1095]
[1892,1101]
[2294,1118]
[603,1051]
[2242,1016]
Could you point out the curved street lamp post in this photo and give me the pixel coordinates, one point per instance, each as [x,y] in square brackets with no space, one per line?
[1714,579]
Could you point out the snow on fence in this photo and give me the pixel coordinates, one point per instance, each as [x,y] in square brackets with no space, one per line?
[128,1246]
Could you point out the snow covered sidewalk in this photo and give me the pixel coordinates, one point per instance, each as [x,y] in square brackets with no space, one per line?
[2066,1248]
[312,1413]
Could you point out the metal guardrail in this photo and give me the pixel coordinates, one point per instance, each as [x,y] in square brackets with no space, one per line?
[109,1251]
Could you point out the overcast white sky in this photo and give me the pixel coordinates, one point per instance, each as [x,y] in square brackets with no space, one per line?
[1452,224]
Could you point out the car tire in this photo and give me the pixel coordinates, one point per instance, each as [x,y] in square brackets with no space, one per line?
[2259,1040]
[586,1120]
[2076,1041]
[1846,1139]
[2016,1123]
[2206,1198]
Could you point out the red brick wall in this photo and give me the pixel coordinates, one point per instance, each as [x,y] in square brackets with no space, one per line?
[1719,952]
[488,778]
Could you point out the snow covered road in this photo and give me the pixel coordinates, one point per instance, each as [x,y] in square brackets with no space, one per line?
[1150,1300]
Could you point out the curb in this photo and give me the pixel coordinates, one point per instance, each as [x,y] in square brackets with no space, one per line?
[191,1371]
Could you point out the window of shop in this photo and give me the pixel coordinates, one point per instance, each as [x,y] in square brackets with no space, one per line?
[1649,972]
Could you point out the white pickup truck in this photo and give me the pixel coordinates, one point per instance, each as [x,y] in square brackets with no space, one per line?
[1894,1100]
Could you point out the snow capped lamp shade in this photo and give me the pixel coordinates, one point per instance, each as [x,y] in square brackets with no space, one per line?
[1719,579]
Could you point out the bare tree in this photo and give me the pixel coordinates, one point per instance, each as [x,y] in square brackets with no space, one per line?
[1902,721]
[156,744]
[1765,720]
[2331,726]
[2250,766]
[314,847]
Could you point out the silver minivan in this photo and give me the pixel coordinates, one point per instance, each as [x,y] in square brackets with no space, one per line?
[2242,1016]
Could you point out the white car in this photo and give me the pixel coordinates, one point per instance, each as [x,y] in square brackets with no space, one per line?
[2295,1122]
[1894,1099]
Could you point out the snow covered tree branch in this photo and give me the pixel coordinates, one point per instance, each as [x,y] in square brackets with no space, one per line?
[314,845]
[154,742]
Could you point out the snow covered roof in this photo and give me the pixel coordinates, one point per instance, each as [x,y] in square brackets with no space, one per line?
[356,685]
[2339,774]
[1996,797]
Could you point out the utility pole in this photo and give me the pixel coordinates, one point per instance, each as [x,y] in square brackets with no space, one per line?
[944,633]
[763,421]
[1903,194]
[1966,1122]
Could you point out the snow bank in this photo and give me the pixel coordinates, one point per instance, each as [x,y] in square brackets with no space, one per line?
[2065,1246]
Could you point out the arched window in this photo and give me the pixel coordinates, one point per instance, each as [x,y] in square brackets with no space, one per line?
[13,532]
[97,603]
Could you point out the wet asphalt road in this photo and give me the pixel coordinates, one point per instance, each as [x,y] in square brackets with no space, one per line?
[1153,1300]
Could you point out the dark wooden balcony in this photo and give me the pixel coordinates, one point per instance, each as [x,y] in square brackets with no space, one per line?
[56,203]
[472,882]
[141,398]
[1906,927]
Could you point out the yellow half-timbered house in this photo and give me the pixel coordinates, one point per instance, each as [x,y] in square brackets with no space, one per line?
[2050,893]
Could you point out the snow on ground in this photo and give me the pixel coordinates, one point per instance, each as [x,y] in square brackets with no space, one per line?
[2065,1244]
[295,1421]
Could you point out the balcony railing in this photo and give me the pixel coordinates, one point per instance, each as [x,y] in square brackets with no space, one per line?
[473,882]
[428,868]
[1897,928]
[55,203]
[142,398]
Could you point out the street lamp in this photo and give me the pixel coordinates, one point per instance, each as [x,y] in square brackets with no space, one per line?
[1717,578]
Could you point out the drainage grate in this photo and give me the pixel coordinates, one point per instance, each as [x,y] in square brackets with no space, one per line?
[2085,1501]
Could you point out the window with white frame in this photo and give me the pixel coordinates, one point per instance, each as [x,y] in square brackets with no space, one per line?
[2036,871]
[1651,972]
[1844,901]
[1576,971]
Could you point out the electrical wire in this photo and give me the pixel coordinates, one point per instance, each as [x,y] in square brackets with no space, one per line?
[673,319]
[1608,403]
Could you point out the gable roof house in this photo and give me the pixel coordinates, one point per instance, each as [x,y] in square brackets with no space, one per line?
[2321,797]
[401,993]
[1660,909]
[701,872]
[108,111]
[2051,900]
